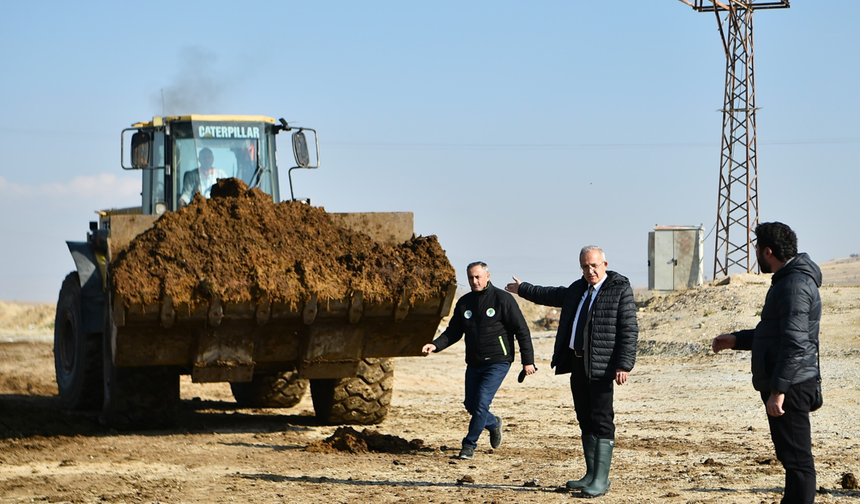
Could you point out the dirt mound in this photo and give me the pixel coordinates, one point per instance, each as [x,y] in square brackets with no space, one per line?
[347,439]
[239,245]
[845,271]
[26,318]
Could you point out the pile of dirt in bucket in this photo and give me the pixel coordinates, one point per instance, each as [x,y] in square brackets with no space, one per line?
[240,245]
[347,439]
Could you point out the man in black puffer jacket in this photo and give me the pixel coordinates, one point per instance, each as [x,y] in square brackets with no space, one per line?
[785,354]
[490,318]
[596,342]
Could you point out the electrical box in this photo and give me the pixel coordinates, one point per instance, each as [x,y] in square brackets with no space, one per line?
[675,257]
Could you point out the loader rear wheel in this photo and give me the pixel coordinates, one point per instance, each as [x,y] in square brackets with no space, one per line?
[77,356]
[360,400]
[281,390]
[137,397]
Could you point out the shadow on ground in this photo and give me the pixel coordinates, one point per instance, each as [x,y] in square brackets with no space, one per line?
[26,416]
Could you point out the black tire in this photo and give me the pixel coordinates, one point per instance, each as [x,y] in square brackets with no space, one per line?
[137,397]
[77,356]
[360,400]
[281,390]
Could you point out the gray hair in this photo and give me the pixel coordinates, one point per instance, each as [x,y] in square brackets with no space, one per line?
[478,263]
[591,248]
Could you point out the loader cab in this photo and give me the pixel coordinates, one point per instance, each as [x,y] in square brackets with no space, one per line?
[184,155]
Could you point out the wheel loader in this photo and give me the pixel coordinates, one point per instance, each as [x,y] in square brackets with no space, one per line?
[123,354]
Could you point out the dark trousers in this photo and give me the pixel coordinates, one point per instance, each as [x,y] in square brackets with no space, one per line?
[482,383]
[792,439]
[592,400]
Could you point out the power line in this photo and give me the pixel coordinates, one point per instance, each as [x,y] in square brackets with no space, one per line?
[464,146]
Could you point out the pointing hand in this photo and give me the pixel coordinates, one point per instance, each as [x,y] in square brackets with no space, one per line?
[514,286]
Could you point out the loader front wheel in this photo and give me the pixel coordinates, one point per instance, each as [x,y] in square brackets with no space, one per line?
[280,390]
[145,397]
[360,400]
[77,356]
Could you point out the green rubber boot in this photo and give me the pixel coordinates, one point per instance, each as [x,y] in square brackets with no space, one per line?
[589,445]
[602,460]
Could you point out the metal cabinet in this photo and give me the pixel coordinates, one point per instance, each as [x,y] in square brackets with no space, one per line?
[675,258]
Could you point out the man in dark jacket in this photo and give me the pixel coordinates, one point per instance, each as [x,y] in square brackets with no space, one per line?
[490,318]
[784,348]
[596,343]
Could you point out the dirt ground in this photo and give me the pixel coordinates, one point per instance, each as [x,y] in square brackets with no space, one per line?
[690,427]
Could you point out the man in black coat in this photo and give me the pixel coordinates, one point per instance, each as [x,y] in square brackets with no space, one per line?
[490,318]
[784,348]
[596,343]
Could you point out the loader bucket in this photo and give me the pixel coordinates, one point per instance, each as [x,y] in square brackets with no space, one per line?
[228,337]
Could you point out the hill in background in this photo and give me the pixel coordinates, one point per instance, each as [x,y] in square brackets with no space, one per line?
[842,271]
[26,319]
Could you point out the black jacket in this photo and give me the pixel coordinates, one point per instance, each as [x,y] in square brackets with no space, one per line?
[490,319]
[611,343]
[785,343]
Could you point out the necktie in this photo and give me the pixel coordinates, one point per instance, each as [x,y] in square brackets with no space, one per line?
[582,322]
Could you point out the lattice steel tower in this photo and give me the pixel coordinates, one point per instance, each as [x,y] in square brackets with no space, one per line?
[737,204]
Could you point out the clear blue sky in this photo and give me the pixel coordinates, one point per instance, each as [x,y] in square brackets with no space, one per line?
[515,131]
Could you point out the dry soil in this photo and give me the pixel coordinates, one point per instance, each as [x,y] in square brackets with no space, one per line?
[690,427]
[239,246]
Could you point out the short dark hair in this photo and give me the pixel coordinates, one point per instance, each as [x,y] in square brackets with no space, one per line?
[477,263]
[779,238]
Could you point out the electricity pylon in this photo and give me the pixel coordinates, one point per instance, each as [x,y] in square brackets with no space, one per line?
[737,204]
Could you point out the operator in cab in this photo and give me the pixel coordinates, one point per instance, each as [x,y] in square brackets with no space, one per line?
[202,179]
